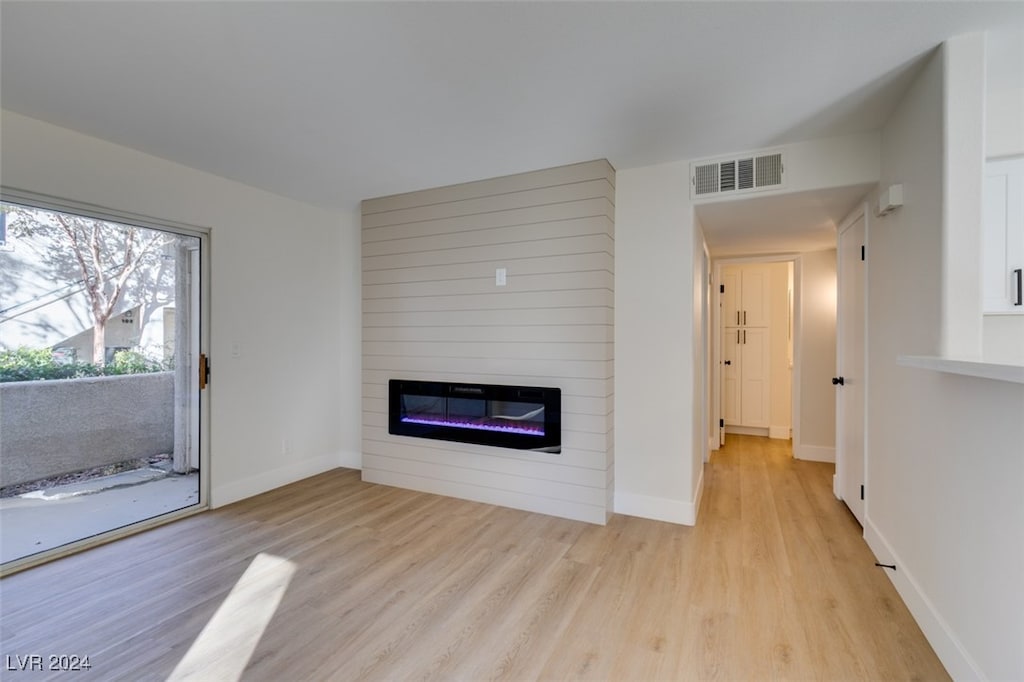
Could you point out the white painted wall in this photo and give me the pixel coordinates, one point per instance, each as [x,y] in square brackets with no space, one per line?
[963,151]
[1004,93]
[655,457]
[700,326]
[816,339]
[1002,339]
[944,465]
[285,293]
[1005,132]
[833,162]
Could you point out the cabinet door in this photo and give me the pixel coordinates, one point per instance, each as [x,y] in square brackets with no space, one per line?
[731,296]
[1003,245]
[754,291]
[755,401]
[731,376]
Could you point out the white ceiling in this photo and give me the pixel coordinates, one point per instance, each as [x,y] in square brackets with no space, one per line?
[334,102]
[787,223]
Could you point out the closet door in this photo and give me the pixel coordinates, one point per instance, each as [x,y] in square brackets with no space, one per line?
[746,389]
[754,300]
[755,404]
[731,315]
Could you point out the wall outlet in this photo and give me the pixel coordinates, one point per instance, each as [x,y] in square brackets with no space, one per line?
[500,277]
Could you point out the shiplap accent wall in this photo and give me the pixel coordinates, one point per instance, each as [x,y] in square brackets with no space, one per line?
[432,311]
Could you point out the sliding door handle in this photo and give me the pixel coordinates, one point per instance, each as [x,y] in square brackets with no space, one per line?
[204,371]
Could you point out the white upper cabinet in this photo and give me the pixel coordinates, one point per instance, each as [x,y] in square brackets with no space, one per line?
[1003,246]
[745,299]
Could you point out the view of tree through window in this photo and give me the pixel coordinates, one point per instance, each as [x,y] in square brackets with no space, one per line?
[90,290]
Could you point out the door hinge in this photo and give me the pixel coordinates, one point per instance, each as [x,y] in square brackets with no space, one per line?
[721,288]
[204,371]
[862,252]
[862,491]
[721,423]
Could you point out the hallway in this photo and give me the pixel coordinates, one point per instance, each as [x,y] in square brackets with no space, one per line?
[792,577]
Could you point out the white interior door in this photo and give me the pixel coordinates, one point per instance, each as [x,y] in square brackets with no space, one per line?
[849,379]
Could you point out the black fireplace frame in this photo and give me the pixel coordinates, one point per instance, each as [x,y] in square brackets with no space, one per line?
[550,398]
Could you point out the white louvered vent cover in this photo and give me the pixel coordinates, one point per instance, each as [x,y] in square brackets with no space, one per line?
[746,173]
[706,179]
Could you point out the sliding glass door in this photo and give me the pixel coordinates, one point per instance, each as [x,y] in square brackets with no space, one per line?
[100,385]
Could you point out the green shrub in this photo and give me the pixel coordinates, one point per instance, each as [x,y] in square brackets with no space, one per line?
[132,362]
[37,364]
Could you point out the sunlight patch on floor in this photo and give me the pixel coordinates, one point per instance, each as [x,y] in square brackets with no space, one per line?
[223,649]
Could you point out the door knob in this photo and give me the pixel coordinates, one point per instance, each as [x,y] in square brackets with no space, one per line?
[838,381]
[728,362]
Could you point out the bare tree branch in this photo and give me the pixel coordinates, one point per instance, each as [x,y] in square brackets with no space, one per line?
[107,256]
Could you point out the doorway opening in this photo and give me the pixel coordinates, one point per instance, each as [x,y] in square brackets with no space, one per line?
[801,228]
[101,342]
[753,342]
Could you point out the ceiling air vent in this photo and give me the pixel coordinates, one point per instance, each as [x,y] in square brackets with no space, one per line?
[768,170]
[746,173]
[706,179]
[746,167]
[727,171]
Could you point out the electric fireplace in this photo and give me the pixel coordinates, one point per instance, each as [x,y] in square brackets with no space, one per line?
[520,417]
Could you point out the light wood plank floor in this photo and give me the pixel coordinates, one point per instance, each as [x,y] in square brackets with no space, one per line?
[333,578]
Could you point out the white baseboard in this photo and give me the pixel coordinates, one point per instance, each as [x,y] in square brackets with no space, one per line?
[577,511]
[660,508]
[233,491]
[779,432]
[747,430]
[814,453]
[959,664]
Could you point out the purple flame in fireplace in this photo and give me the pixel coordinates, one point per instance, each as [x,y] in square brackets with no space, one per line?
[523,428]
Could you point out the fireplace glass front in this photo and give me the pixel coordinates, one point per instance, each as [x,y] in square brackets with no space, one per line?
[520,417]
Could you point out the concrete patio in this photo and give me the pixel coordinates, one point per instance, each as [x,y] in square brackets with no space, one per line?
[44,519]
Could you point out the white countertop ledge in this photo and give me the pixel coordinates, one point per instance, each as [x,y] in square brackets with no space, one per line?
[972,368]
